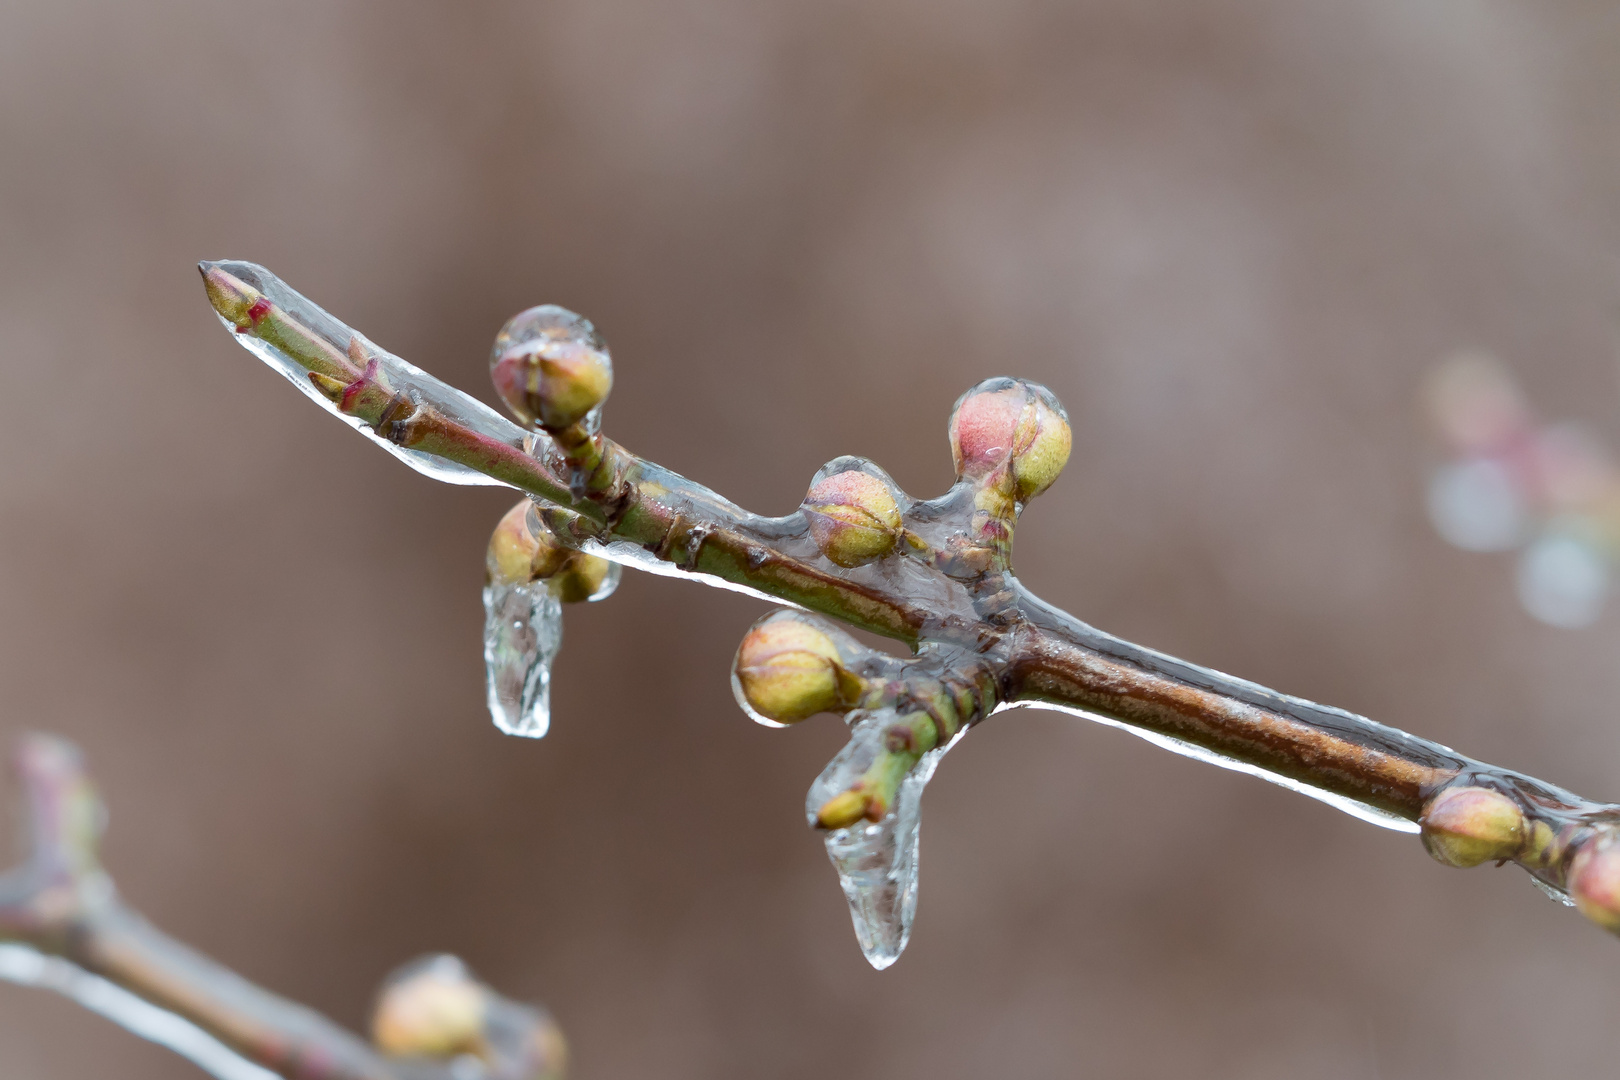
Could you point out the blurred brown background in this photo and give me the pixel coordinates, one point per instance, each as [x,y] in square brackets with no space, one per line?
[1231,237]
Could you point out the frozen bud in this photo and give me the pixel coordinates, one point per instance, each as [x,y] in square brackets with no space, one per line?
[1594,881]
[522,550]
[843,810]
[1013,424]
[584,577]
[1466,826]
[433,1008]
[550,367]
[787,669]
[853,517]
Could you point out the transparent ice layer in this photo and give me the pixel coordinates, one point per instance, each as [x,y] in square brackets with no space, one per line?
[877,861]
[402,376]
[29,967]
[522,633]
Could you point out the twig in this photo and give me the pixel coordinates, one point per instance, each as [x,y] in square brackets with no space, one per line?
[935,574]
[64,927]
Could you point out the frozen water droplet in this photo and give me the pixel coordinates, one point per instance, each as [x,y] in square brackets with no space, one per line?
[877,861]
[522,633]
[610,582]
[1563,580]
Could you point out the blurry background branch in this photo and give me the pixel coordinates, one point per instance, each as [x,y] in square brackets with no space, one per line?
[63,927]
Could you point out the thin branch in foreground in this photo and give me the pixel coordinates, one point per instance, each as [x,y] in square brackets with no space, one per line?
[935,574]
[63,927]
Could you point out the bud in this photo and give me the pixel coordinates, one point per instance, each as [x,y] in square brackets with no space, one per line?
[843,810]
[522,550]
[853,517]
[432,1008]
[550,367]
[1466,826]
[787,669]
[1014,423]
[1594,881]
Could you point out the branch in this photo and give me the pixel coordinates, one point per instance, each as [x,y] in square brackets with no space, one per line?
[935,574]
[64,927]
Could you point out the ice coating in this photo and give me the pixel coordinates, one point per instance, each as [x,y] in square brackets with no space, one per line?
[25,966]
[945,588]
[522,634]
[876,861]
[551,367]
[401,375]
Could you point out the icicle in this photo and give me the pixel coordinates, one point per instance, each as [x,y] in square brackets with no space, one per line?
[876,861]
[522,633]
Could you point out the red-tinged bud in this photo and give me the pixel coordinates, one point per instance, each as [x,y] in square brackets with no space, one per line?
[433,1008]
[1011,425]
[1466,826]
[853,517]
[237,302]
[522,550]
[1594,881]
[550,367]
[788,669]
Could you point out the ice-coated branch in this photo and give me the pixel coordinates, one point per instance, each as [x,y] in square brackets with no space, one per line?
[936,574]
[63,927]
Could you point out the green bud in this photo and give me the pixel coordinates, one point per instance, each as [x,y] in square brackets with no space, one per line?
[788,669]
[845,809]
[550,367]
[1466,826]
[853,517]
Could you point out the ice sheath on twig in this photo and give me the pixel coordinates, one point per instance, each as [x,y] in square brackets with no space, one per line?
[935,574]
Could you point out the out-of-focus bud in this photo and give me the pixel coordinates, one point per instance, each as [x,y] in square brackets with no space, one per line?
[853,517]
[431,1008]
[788,669]
[1013,424]
[550,367]
[1466,826]
[1594,881]
[522,550]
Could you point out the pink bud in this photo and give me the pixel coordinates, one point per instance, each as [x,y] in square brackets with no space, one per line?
[1013,425]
